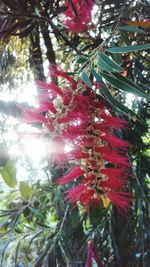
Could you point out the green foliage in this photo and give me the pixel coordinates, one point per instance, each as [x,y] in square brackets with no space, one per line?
[127,49]
[8,173]
[86,79]
[26,190]
[108,64]
[130,28]
[124,84]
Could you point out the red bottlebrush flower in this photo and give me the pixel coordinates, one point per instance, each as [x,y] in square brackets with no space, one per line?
[121,200]
[81,193]
[78,21]
[74,193]
[89,179]
[117,159]
[56,89]
[89,256]
[75,130]
[76,153]
[97,258]
[56,72]
[113,122]
[51,89]
[32,116]
[67,96]
[87,140]
[92,253]
[100,127]
[49,125]
[116,177]
[72,116]
[83,130]
[115,141]
[75,173]
[84,105]
[75,27]
[113,183]
[115,172]
[57,151]
[46,105]
[112,156]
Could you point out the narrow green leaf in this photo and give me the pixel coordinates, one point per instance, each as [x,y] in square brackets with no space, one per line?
[132,84]
[39,260]
[116,105]
[127,49]
[108,95]
[3,252]
[122,83]
[16,253]
[82,67]
[117,58]
[25,261]
[8,174]
[108,64]
[26,190]
[62,248]
[74,220]
[14,219]
[97,76]
[124,109]
[36,212]
[82,59]
[86,79]
[137,89]
[131,29]
[34,237]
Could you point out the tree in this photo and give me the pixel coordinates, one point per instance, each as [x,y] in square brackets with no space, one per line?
[110,51]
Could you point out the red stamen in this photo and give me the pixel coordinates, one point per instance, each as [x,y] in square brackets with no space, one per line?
[75,173]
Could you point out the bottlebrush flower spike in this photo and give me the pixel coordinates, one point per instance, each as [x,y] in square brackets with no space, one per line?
[83,130]
[78,15]
[92,254]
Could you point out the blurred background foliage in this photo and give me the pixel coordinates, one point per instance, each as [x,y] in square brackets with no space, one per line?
[37,227]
